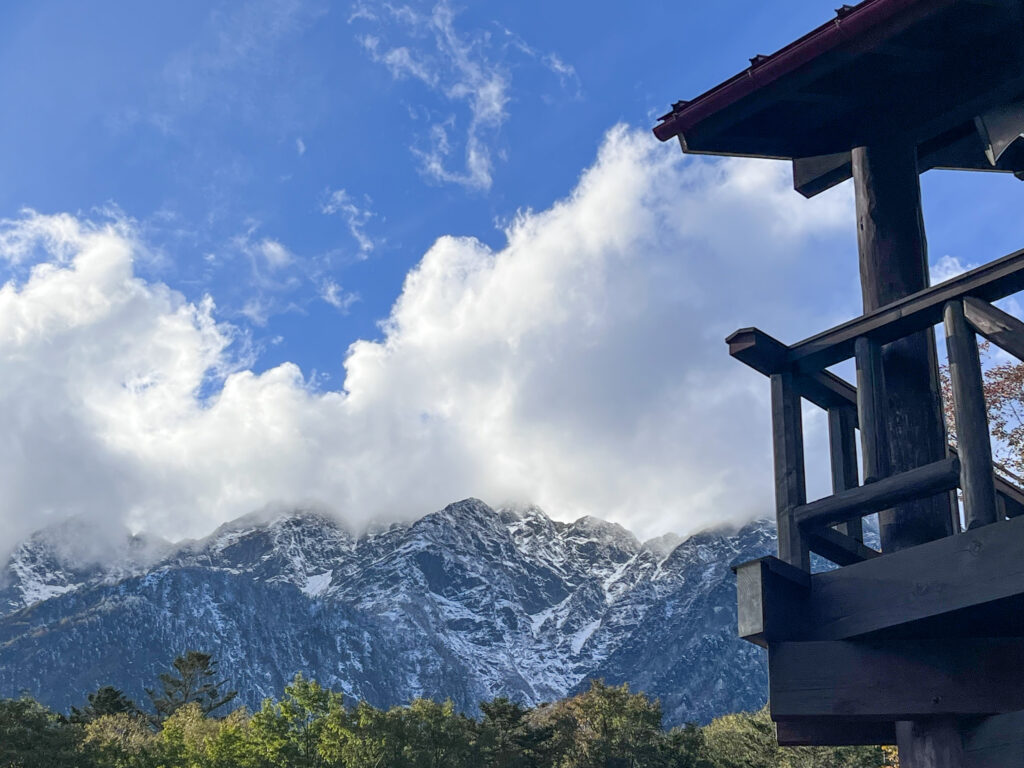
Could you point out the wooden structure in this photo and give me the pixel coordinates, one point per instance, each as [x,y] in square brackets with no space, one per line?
[920,643]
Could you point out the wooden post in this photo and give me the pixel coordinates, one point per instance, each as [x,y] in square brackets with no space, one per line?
[894,264]
[842,443]
[932,743]
[871,410]
[973,446]
[790,485]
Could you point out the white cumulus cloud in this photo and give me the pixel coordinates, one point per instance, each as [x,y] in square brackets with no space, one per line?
[580,366]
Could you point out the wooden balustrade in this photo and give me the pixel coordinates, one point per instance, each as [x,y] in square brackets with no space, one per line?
[832,527]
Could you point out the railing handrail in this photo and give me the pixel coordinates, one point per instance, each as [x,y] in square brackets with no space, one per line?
[990,282]
[808,527]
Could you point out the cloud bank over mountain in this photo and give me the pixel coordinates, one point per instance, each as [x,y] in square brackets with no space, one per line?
[580,366]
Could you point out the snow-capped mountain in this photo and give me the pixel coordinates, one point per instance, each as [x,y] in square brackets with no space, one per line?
[468,603]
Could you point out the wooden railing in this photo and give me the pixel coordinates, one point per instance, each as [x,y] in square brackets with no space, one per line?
[832,526]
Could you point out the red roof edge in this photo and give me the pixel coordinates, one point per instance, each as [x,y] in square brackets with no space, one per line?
[849,24]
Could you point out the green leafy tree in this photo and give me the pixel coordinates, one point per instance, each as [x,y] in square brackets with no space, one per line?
[436,736]
[120,740]
[292,731]
[190,739]
[364,737]
[747,740]
[612,728]
[743,740]
[194,679]
[507,737]
[33,736]
[685,747]
[230,745]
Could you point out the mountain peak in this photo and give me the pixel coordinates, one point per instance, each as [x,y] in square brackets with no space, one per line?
[605,531]
[468,602]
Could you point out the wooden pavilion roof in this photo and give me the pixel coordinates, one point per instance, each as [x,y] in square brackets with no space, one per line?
[921,69]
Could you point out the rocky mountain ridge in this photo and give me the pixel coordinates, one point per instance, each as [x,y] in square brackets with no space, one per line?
[468,602]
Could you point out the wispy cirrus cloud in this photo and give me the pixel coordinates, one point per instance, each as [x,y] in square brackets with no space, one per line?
[336,296]
[340,203]
[237,38]
[469,69]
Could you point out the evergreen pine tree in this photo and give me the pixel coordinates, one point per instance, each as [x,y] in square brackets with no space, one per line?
[107,700]
[193,679]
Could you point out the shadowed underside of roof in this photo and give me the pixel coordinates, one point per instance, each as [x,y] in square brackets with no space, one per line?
[926,71]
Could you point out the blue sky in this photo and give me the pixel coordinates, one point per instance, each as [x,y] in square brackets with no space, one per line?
[291,178]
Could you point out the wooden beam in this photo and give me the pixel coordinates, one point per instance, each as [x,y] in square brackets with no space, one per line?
[1002,329]
[973,582]
[917,483]
[919,311]
[1011,497]
[896,679]
[995,742]
[760,351]
[834,732]
[813,175]
[826,390]
[838,547]
[768,576]
[790,485]
[767,355]
[974,447]
[958,148]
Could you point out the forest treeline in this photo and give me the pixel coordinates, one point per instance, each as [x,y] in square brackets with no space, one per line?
[188,724]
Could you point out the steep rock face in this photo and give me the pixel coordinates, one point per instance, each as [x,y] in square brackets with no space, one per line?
[467,603]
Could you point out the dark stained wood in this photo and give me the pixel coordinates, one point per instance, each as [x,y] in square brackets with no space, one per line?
[894,265]
[1011,498]
[757,349]
[871,411]
[977,476]
[957,149]
[813,175]
[923,309]
[1002,329]
[790,485]
[759,578]
[922,482]
[995,742]
[834,732]
[862,90]
[767,355]
[838,547]
[826,390]
[930,743]
[894,679]
[973,582]
[842,444]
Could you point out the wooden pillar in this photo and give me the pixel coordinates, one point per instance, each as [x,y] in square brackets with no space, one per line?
[842,443]
[934,743]
[894,264]
[871,410]
[790,483]
[977,475]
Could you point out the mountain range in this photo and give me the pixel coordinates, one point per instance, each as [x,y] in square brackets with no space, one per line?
[467,603]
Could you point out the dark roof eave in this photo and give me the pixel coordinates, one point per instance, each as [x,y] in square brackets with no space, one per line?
[828,37]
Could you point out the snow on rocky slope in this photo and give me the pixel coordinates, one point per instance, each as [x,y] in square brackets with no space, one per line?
[468,603]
